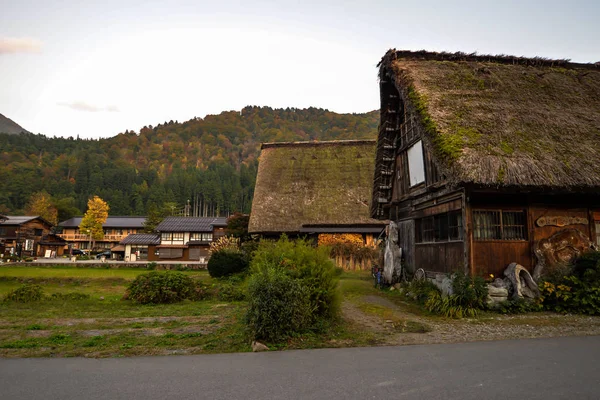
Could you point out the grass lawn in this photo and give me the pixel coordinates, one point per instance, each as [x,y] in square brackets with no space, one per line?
[107,326]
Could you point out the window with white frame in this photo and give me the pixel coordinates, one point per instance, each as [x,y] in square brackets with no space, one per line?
[416,166]
[202,236]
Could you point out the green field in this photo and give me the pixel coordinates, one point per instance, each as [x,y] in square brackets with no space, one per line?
[105,325]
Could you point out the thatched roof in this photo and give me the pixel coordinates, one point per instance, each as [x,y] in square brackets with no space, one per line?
[312,183]
[502,120]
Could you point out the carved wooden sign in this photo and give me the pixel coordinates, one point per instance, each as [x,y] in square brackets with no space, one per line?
[561,221]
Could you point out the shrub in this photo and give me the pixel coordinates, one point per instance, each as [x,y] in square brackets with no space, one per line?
[448,306]
[152,265]
[226,262]
[279,306]
[469,292]
[25,294]
[161,288]
[224,243]
[231,291]
[587,268]
[420,290]
[519,306]
[577,290]
[312,266]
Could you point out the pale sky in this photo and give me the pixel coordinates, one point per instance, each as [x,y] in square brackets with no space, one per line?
[97,68]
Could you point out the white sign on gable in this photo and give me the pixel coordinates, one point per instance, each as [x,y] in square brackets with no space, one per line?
[416,167]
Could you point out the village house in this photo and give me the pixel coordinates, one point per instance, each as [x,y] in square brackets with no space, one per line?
[141,247]
[29,236]
[187,238]
[315,188]
[115,229]
[487,160]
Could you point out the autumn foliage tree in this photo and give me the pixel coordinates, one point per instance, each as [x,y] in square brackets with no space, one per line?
[40,203]
[94,217]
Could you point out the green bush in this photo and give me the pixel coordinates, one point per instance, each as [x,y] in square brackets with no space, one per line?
[587,268]
[420,290]
[152,265]
[577,291]
[312,266]
[279,305]
[25,294]
[520,306]
[162,288]
[233,288]
[469,292]
[226,262]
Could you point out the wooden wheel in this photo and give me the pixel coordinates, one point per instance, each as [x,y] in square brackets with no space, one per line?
[419,275]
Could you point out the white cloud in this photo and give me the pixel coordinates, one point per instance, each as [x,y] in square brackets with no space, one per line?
[10,45]
[83,106]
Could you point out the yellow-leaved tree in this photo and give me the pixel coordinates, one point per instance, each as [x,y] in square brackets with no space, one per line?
[94,217]
[40,203]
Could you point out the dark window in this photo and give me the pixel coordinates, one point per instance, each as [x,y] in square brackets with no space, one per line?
[439,228]
[2,231]
[499,225]
[38,232]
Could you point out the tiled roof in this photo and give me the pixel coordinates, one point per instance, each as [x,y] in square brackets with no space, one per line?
[111,222]
[20,219]
[142,238]
[190,224]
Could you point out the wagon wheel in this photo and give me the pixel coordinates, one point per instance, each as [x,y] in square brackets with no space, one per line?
[419,275]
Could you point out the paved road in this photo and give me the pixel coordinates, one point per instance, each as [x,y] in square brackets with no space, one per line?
[561,368]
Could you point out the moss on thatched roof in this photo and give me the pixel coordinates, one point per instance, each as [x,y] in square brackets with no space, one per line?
[312,183]
[502,120]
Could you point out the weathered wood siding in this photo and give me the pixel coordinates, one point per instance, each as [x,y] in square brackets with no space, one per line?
[493,256]
[440,257]
[406,240]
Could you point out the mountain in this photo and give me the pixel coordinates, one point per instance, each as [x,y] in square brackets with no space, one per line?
[209,162]
[7,125]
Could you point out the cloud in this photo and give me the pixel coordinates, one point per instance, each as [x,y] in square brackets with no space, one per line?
[10,45]
[83,106]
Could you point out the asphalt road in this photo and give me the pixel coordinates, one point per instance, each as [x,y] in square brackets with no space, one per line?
[560,368]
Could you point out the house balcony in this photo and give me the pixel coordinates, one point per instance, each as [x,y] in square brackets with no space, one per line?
[85,238]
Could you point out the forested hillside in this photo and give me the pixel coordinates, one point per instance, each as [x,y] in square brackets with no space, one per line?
[211,162]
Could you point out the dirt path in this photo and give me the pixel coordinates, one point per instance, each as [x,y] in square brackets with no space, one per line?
[443,330]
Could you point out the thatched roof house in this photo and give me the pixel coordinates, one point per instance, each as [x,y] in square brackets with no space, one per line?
[458,127]
[323,184]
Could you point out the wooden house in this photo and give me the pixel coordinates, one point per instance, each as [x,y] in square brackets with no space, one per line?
[116,228]
[312,188]
[487,160]
[141,247]
[188,238]
[28,236]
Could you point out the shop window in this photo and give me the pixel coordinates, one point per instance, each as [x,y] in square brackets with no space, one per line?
[499,225]
[440,228]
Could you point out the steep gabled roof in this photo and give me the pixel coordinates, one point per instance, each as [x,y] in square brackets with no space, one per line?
[312,183]
[111,222]
[504,121]
[191,224]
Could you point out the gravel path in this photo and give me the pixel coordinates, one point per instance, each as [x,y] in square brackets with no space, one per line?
[494,327]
